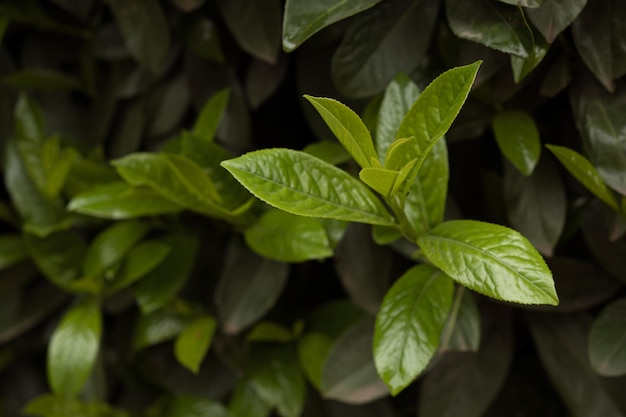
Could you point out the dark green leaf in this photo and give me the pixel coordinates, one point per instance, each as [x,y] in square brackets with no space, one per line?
[163,283]
[302,184]
[274,374]
[171,104]
[156,327]
[600,38]
[248,287]
[263,79]
[193,342]
[496,25]
[73,349]
[303,18]
[462,330]
[583,171]
[463,384]
[409,325]
[601,120]
[523,66]
[255,25]
[348,128]
[29,124]
[607,340]
[112,244]
[313,350]
[204,40]
[399,96]
[349,373]
[363,267]
[188,406]
[536,205]
[554,16]
[562,345]
[334,318]
[609,253]
[12,250]
[490,259]
[145,29]
[518,139]
[42,80]
[119,201]
[142,259]
[48,405]
[285,237]
[245,402]
[211,115]
[388,39]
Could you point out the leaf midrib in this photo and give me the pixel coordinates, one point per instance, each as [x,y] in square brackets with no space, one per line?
[494,258]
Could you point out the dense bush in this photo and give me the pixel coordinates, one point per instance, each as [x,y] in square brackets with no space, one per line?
[378,273]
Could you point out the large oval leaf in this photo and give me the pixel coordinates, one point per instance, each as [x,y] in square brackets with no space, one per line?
[607,340]
[302,184]
[303,18]
[409,325]
[74,348]
[493,260]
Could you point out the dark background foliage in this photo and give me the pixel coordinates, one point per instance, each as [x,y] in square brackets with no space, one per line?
[100,80]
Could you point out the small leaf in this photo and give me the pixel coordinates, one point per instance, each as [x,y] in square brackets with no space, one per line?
[409,325]
[303,18]
[193,342]
[607,340]
[12,250]
[156,327]
[73,349]
[267,331]
[385,40]
[284,237]
[111,245]
[462,330]
[583,171]
[554,16]
[248,287]
[163,283]
[29,124]
[493,24]
[142,259]
[490,259]
[518,139]
[145,29]
[209,118]
[349,373]
[255,25]
[301,184]
[523,66]
[119,200]
[348,128]
[381,180]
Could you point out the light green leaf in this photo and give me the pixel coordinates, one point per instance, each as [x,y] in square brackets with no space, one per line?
[73,349]
[349,374]
[302,184]
[142,259]
[583,171]
[313,350]
[119,200]
[248,286]
[12,250]
[255,25]
[523,66]
[175,177]
[554,16]
[194,341]
[303,18]
[330,152]
[245,402]
[348,128]
[156,327]
[267,331]
[285,237]
[409,325]
[607,340]
[57,164]
[490,259]
[518,139]
[462,330]
[163,283]
[385,40]
[145,30]
[493,24]
[111,245]
[381,180]
[396,156]
[209,118]
[433,112]
[274,374]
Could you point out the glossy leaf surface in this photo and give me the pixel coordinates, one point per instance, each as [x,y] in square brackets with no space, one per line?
[301,184]
[409,325]
[518,139]
[607,340]
[553,16]
[490,259]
